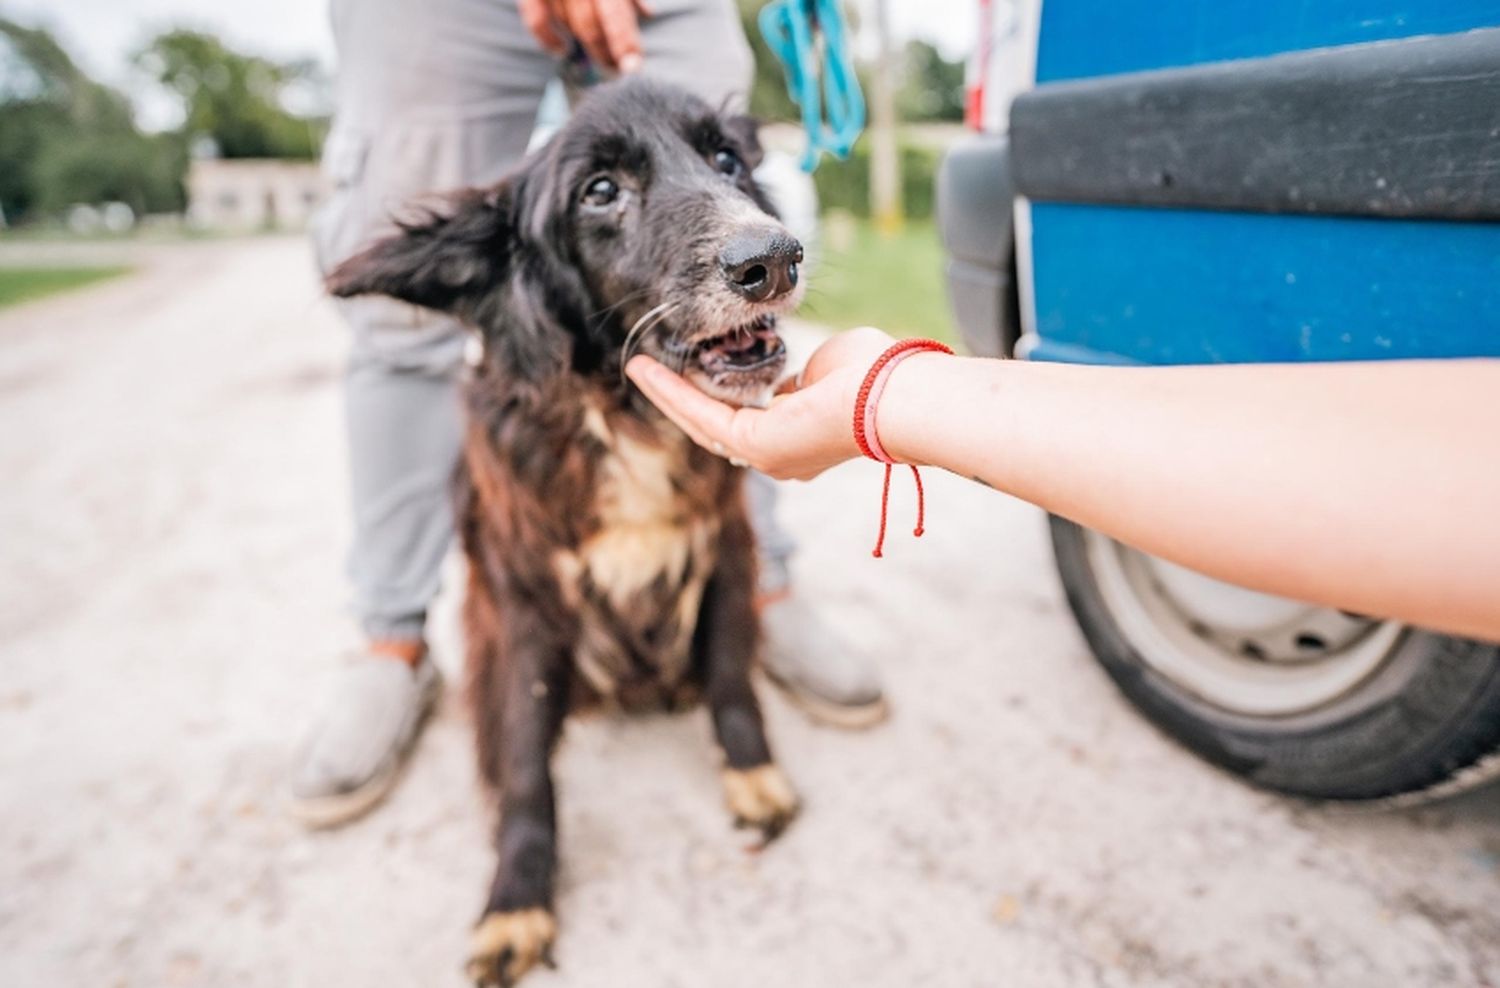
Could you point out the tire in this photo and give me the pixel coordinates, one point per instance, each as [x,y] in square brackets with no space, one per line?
[1397,713]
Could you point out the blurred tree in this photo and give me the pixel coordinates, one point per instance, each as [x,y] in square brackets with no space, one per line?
[66,139]
[233,98]
[33,67]
[144,172]
[932,88]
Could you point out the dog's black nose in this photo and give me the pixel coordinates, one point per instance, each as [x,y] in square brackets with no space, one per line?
[761,264]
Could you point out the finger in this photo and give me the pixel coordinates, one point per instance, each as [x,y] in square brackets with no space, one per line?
[538,20]
[698,414]
[644,9]
[622,33]
[746,434]
[682,403]
[583,21]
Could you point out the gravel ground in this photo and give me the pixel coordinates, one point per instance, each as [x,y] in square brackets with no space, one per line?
[171,611]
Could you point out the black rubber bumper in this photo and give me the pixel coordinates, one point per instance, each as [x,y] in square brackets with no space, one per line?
[1403,129]
[975,200]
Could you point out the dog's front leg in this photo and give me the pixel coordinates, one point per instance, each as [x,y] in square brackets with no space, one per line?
[529,695]
[728,632]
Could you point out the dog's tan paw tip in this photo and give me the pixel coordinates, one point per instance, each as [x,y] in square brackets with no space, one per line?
[762,798]
[507,945]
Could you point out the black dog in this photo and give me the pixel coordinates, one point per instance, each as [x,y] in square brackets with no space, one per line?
[609,557]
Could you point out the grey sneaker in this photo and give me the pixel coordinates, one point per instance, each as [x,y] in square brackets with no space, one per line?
[354,753]
[818,670]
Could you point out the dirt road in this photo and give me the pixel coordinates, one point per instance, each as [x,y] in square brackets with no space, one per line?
[171,609]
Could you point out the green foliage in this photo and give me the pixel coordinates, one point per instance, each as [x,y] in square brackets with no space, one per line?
[66,139]
[865,279]
[846,184]
[24,284]
[932,88]
[143,172]
[25,128]
[233,98]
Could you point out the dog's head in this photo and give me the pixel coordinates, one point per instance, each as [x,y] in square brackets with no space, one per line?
[638,228]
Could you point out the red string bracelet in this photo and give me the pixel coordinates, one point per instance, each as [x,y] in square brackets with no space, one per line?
[867,436]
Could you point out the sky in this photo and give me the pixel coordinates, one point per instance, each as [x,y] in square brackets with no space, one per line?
[101,33]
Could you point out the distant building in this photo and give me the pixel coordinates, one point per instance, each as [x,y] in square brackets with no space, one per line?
[252,193]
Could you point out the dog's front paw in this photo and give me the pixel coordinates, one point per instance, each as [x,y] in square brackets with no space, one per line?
[507,945]
[760,797]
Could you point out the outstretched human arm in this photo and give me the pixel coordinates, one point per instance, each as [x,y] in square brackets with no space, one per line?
[1374,487]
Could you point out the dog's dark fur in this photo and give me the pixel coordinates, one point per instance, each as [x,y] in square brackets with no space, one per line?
[609,556]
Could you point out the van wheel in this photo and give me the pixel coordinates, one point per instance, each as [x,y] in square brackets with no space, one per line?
[1301,699]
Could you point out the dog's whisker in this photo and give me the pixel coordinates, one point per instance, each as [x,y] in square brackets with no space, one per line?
[656,322]
[647,322]
[656,315]
[639,293]
[679,357]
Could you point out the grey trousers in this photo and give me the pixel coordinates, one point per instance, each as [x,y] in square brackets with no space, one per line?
[432,96]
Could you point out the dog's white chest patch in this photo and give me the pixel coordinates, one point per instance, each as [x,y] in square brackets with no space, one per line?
[648,563]
[643,535]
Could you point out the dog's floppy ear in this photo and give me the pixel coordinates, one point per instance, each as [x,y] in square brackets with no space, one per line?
[745,131]
[448,255]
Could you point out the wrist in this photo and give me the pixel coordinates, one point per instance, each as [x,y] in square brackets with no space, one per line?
[867,406]
[901,401]
[872,389]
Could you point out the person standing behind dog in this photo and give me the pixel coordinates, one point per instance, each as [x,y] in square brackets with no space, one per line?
[437,96]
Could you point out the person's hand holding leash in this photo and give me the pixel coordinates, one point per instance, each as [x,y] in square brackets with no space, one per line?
[803,432]
[609,30]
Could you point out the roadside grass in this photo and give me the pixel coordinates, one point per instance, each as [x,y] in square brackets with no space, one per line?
[18,284]
[894,283]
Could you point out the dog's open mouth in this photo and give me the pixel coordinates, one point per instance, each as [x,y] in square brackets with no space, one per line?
[740,366]
[751,347]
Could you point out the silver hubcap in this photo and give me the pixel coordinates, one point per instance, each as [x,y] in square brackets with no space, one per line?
[1243,651]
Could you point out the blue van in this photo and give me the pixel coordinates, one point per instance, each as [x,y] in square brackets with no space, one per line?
[1185,181]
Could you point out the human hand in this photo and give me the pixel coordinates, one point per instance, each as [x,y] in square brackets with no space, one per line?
[803,432]
[609,30]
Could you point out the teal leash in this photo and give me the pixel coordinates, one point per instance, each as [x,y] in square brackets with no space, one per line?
[834,114]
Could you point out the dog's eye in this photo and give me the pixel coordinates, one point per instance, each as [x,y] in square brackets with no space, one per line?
[601,192]
[727,162]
